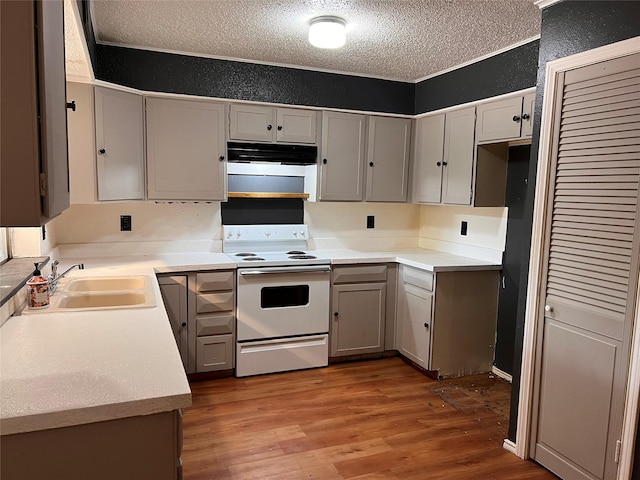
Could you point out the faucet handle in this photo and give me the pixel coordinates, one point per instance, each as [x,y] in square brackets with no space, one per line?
[54,268]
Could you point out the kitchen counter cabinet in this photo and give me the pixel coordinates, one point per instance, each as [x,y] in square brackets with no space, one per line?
[186,150]
[358,310]
[174,294]
[447,322]
[135,448]
[119,121]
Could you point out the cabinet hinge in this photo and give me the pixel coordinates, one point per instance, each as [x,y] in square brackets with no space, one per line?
[43,184]
[618,448]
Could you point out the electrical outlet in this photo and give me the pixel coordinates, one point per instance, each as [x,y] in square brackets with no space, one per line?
[463,228]
[371,221]
[125,223]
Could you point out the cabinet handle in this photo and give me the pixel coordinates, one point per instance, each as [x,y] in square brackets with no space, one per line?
[516,118]
[438,164]
[371,164]
[221,158]
[525,116]
[279,127]
[426,325]
[324,161]
[269,127]
[335,314]
[71,105]
[184,324]
[444,164]
[102,151]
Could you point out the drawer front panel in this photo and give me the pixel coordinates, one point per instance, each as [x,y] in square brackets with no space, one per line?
[360,274]
[212,281]
[214,324]
[419,278]
[214,302]
[214,352]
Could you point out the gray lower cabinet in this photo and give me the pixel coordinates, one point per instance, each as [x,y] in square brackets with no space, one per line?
[446,322]
[174,295]
[358,310]
[144,447]
[213,318]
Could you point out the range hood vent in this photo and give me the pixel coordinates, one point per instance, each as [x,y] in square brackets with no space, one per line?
[272,153]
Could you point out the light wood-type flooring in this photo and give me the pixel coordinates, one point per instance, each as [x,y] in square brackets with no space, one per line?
[366,420]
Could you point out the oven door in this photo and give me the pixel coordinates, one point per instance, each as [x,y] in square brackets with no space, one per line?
[275,302]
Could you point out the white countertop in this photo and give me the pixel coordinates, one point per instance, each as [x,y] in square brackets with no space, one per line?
[71,368]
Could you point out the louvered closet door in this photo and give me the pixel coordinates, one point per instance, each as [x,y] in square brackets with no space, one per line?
[590,270]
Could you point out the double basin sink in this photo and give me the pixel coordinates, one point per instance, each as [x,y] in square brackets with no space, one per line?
[102,293]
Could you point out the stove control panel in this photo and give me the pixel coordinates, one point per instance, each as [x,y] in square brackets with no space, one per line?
[246,233]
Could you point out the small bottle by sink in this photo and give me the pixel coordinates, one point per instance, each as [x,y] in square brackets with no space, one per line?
[38,295]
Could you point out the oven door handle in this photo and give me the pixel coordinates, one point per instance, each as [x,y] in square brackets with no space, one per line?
[295,269]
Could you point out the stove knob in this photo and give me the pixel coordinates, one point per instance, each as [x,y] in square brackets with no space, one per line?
[295,234]
[229,234]
[238,234]
[302,233]
[268,234]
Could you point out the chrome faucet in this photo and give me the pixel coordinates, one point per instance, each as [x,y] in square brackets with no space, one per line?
[54,278]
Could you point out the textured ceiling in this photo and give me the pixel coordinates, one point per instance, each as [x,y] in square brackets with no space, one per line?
[76,61]
[396,39]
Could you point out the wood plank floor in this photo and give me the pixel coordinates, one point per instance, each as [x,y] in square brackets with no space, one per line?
[366,420]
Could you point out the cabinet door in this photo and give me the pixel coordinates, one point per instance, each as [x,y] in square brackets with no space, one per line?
[427,163]
[388,150]
[458,157]
[174,295]
[358,319]
[185,150]
[119,144]
[414,324]
[528,106]
[251,122]
[342,156]
[296,125]
[214,352]
[499,120]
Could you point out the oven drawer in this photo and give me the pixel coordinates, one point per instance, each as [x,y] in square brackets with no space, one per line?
[212,281]
[214,324]
[360,274]
[214,302]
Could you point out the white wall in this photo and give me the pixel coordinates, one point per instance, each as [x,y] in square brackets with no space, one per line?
[486,230]
[344,225]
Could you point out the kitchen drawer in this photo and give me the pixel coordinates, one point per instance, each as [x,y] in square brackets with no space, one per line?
[214,302]
[360,274]
[214,352]
[214,324]
[212,281]
[419,278]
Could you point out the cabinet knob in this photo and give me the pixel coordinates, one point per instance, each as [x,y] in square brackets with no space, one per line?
[184,324]
[516,118]
[426,325]
[71,105]
[102,151]
[324,161]
[371,164]
[438,164]
[269,127]
[548,308]
[279,127]
[444,164]
[335,314]
[525,116]
[221,158]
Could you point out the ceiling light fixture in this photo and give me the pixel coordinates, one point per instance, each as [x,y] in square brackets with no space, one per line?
[327,31]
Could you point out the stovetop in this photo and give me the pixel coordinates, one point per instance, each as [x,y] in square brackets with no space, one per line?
[269,245]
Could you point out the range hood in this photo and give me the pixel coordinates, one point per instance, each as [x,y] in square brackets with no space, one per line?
[272,153]
[267,170]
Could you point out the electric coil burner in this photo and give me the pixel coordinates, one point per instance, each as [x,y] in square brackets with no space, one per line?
[282,299]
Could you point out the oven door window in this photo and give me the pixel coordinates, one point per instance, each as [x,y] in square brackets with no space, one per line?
[284,296]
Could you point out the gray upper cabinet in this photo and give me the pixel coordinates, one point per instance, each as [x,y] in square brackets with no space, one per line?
[457,164]
[505,119]
[271,124]
[428,155]
[34,185]
[387,164]
[186,150]
[342,156]
[119,144]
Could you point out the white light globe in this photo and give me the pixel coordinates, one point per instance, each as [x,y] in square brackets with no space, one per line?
[327,32]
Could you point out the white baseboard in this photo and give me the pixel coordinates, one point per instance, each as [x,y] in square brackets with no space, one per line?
[503,375]
[509,445]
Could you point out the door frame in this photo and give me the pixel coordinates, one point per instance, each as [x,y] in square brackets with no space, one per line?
[536,257]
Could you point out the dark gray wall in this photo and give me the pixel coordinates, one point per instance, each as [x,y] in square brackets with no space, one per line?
[568,27]
[507,72]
